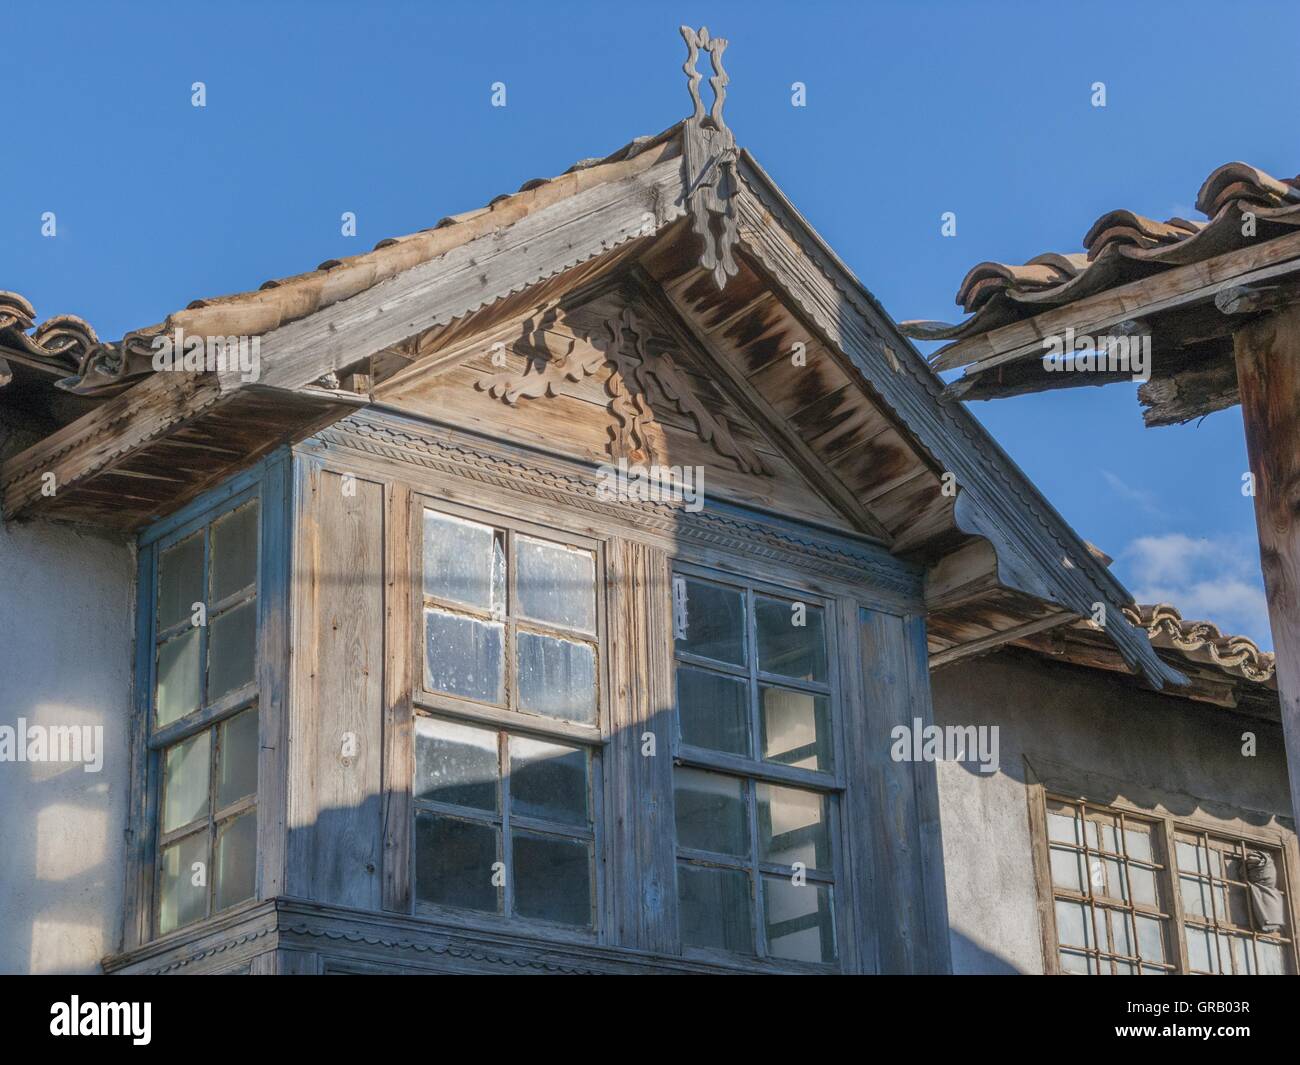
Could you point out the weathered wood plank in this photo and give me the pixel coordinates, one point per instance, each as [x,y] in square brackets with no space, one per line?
[1267,353]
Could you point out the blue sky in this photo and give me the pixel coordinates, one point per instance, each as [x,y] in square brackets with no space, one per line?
[913,109]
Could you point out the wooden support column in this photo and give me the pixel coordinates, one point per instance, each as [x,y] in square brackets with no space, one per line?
[1267,353]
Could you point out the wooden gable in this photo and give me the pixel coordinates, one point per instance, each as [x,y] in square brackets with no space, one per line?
[611,373]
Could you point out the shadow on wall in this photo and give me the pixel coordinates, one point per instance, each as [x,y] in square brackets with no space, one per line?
[971,959]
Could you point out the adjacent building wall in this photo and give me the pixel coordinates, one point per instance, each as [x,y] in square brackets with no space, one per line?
[66,628]
[1056,721]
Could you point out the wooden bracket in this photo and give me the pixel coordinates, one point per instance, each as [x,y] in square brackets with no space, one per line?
[709,160]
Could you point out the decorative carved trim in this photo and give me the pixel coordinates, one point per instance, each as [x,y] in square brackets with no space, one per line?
[212,951]
[834,559]
[637,376]
[709,159]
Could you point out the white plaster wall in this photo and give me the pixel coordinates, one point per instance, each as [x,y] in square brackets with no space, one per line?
[66,636]
[1131,742]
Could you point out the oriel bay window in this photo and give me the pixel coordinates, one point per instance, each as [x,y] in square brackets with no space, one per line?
[507,738]
[204,723]
[755,784]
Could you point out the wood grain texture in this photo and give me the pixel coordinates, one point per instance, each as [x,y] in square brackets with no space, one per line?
[1267,354]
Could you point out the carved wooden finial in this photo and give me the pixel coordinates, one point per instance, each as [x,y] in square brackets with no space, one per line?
[709,157]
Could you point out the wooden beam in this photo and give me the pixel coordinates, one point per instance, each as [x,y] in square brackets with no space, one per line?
[1267,353]
[989,643]
[502,261]
[1176,287]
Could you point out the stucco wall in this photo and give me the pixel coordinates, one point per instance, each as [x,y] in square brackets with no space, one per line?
[66,633]
[1130,743]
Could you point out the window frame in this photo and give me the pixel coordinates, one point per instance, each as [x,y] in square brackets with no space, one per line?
[753,770]
[150,742]
[509,721]
[1165,831]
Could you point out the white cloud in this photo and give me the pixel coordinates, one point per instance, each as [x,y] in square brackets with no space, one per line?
[1144,499]
[1207,580]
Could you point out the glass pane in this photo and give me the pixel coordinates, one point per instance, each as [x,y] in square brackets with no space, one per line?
[1196,896]
[800,920]
[234,552]
[464,656]
[557,678]
[236,860]
[713,710]
[237,773]
[455,764]
[1116,882]
[464,562]
[1200,949]
[1137,838]
[1142,882]
[1063,826]
[552,879]
[232,650]
[180,581]
[1073,924]
[1272,958]
[1190,857]
[1151,938]
[555,583]
[185,781]
[710,812]
[715,908]
[787,647]
[183,884]
[714,623]
[792,827]
[548,780]
[1121,933]
[1072,962]
[178,678]
[454,862]
[796,728]
[1067,869]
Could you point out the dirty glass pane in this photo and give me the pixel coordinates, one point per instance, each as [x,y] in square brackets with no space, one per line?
[715,908]
[1201,949]
[1121,933]
[454,863]
[548,781]
[178,678]
[185,781]
[555,584]
[1073,962]
[1196,896]
[232,650]
[464,656]
[234,552]
[557,677]
[800,920]
[1272,958]
[552,879]
[1151,937]
[1142,882]
[787,648]
[456,764]
[180,581]
[792,827]
[183,883]
[1063,826]
[713,710]
[237,773]
[714,622]
[236,860]
[1067,869]
[796,728]
[1137,838]
[1073,924]
[710,812]
[464,562]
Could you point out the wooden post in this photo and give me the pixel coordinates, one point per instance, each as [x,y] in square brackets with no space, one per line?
[1267,353]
